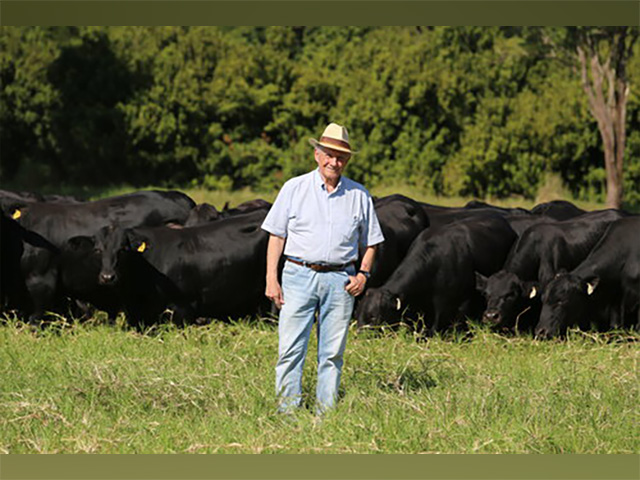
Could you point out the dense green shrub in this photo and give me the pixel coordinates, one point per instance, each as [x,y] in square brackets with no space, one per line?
[478,111]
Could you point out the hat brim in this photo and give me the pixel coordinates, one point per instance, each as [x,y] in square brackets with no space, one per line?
[315,143]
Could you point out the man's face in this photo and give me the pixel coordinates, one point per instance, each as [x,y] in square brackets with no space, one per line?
[331,162]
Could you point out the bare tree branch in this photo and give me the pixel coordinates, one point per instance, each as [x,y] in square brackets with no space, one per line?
[602,55]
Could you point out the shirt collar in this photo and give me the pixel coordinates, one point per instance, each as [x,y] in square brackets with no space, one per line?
[320,182]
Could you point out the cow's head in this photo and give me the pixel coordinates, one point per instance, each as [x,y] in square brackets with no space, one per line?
[108,247]
[564,302]
[14,209]
[202,214]
[507,296]
[378,306]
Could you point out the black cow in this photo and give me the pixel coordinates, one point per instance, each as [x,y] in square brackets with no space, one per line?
[28,269]
[436,277]
[7,196]
[520,223]
[201,214]
[248,206]
[558,210]
[513,293]
[214,270]
[55,198]
[9,199]
[440,216]
[56,223]
[506,211]
[205,213]
[401,220]
[604,289]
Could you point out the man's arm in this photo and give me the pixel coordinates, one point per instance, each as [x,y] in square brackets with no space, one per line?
[356,284]
[368,258]
[274,252]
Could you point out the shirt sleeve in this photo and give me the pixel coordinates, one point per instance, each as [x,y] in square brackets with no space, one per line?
[278,217]
[371,232]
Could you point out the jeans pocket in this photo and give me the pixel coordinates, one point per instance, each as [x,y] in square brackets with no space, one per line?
[288,269]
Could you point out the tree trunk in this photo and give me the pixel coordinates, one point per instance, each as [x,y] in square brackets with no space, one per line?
[614,181]
[607,103]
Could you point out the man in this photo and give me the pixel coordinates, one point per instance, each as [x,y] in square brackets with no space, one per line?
[318,220]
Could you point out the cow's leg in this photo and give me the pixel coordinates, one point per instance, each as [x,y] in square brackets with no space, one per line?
[616,315]
[42,289]
[444,312]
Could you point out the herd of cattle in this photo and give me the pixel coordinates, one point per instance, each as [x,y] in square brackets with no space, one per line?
[150,252]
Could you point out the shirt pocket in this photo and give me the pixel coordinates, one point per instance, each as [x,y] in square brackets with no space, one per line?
[349,229]
[300,224]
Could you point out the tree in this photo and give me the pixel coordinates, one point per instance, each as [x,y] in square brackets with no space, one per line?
[601,55]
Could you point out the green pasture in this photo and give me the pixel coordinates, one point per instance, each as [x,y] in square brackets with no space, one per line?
[98,388]
[551,189]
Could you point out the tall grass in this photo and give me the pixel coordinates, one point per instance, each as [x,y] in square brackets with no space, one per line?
[102,388]
[210,389]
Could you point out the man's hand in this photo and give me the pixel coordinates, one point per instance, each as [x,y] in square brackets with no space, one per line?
[274,252]
[274,293]
[356,285]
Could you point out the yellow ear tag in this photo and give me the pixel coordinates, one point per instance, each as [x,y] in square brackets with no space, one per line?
[142,247]
[533,292]
[17,214]
[590,288]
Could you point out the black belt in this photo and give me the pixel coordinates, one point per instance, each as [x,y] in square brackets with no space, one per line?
[320,267]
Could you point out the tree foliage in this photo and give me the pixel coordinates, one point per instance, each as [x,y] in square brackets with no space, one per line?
[454,110]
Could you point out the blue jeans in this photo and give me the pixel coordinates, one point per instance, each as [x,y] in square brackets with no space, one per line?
[306,291]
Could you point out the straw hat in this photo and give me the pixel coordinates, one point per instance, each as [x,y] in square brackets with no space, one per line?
[334,137]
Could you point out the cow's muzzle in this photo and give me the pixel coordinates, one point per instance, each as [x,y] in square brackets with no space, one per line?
[107,278]
[492,316]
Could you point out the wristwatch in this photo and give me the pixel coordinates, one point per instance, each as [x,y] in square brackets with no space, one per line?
[365,273]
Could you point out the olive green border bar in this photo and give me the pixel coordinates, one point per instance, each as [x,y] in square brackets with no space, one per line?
[290,467]
[326,12]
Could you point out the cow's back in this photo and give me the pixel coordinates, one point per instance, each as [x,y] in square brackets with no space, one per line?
[216,269]
[401,221]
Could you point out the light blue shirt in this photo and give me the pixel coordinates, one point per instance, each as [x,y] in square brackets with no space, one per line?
[323,227]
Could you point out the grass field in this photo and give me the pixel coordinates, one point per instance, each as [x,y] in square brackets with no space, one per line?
[209,389]
[72,388]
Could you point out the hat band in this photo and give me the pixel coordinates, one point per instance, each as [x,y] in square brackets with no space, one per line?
[336,142]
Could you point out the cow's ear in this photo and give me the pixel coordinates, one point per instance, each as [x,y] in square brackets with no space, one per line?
[80,243]
[592,284]
[136,242]
[18,210]
[481,281]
